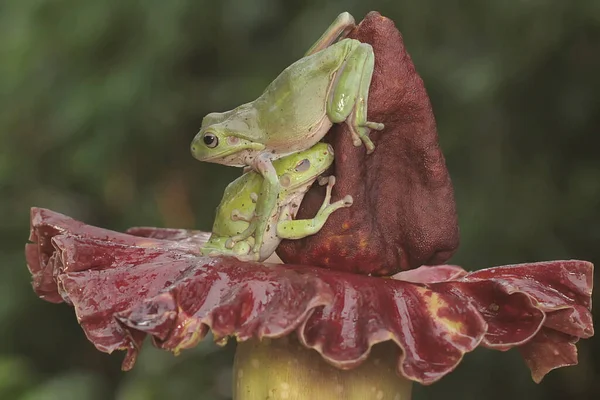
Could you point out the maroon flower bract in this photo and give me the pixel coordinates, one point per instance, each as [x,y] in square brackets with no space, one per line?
[403,215]
[124,286]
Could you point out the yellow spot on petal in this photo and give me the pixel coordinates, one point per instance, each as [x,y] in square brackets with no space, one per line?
[345,226]
[435,304]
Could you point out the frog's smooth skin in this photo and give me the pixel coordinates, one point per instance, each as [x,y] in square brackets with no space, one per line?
[296,173]
[329,85]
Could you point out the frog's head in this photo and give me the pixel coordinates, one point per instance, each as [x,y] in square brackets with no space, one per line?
[304,167]
[222,146]
[226,138]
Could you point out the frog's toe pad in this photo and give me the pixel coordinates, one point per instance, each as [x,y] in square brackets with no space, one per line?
[377,126]
[323,180]
[348,200]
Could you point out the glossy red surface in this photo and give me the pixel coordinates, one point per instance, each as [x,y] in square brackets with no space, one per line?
[404,214]
[124,287]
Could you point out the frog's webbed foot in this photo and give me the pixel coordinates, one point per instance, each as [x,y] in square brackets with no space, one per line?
[339,29]
[240,249]
[245,235]
[243,250]
[327,207]
[348,102]
[360,131]
[297,229]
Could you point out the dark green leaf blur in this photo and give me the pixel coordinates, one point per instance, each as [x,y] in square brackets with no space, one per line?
[99,101]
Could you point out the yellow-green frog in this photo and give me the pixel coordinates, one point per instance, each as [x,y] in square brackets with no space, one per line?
[296,173]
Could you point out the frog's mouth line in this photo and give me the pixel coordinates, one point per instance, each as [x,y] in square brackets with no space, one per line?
[229,152]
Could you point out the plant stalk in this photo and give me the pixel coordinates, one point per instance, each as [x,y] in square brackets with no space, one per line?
[283,369]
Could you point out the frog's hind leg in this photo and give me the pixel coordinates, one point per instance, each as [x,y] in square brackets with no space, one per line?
[241,250]
[350,94]
[339,29]
[298,229]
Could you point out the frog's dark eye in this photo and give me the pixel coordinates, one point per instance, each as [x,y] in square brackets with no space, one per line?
[210,140]
[303,166]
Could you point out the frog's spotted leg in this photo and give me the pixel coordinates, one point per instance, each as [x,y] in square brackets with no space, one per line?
[339,29]
[265,203]
[298,229]
[350,93]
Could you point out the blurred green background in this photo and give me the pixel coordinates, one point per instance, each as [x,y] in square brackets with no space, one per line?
[100,100]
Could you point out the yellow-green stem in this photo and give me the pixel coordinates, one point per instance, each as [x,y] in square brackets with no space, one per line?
[283,369]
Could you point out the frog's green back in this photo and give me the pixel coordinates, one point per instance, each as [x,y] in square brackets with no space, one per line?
[292,104]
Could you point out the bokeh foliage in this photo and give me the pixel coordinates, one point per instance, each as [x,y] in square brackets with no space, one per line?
[100,100]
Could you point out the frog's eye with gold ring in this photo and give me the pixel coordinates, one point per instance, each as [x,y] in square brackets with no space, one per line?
[210,140]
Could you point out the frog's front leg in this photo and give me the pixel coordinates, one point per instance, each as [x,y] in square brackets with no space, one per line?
[339,29]
[350,93]
[265,203]
[298,229]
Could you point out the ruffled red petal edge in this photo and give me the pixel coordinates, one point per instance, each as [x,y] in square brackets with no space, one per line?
[153,281]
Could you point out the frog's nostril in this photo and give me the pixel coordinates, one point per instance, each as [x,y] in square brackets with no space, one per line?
[193,149]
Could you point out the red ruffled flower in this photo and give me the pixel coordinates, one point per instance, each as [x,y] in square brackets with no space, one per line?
[124,287]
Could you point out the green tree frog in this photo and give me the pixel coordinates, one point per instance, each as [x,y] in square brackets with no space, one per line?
[296,173]
[329,85]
